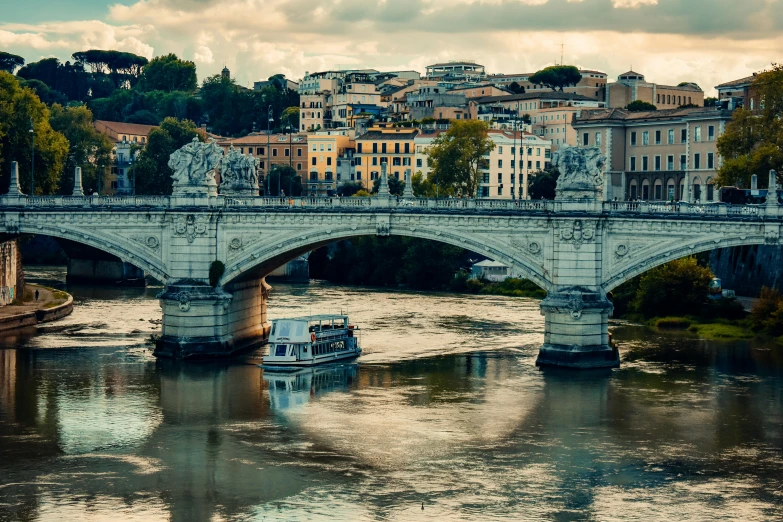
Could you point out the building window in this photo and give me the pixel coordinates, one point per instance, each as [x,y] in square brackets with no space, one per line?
[645,163]
[358,161]
[500,150]
[597,139]
[697,134]
[322,147]
[500,191]
[684,136]
[500,163]
[538,152]
[375,162]
[359,148]
[375,148]
[396,161]
[711,133]
[710,160]
[396,148]
[586,139]
[670,162]
[484,192]
[538,165]
[646,138]
[671,137]
[299,152]
[287,152]
[383,148]
[683,161]
[697,161]
[657,137]
[406,162]
[657,163]
[485,178]
[633,138]
[418,162]
[274,152]
[259,151]
[328,160]
[314,161]
[633,163]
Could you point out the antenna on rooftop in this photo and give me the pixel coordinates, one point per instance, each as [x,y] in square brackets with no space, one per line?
[562,51]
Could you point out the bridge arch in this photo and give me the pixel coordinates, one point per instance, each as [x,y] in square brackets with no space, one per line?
[259,261]
[666,253]
[137,254]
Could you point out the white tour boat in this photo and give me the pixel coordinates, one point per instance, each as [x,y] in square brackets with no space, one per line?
[307,341]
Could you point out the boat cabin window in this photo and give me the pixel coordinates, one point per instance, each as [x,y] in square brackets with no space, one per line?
[280,351]
[300,328]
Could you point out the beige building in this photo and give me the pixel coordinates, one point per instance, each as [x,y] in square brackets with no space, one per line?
[326,150]
[550,113]
[127,137]
[592,84]
[394,146]
[314,111]
[739,93]
[632,86]
[658,155]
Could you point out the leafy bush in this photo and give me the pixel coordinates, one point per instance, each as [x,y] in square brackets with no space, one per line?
[676,288]
[767,313]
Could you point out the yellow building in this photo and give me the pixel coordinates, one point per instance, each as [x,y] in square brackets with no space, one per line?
[326,148]
[393,146]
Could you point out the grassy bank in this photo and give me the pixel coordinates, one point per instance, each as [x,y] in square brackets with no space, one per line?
[706,328]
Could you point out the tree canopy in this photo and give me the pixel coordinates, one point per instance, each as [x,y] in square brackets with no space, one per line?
[753,141]
[676,288]
[168,73]
[543,184]
[396,186]
[120,66]
[284,177]
[69,79]
[151,172]
[516,88]
[640,106]
[557,77]
[89,149]
[458,157]
[10,62]
[19,109]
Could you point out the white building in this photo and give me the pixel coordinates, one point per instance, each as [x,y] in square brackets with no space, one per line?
[490,270]
[516,157]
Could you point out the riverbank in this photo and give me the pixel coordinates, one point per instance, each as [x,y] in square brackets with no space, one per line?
[52,304]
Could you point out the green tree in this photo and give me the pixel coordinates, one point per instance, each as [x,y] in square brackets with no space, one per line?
[19,108]
[543,184]
[349,188]
[121,68]
[283,179]
[290,116]
[151,172]
[557,77]
[710,102]
[10,62]
[69,79]
[767,313]
[423,187]
[458,157]
[45,94]
[168,73]
[516,88]
[640,106]
[675,288]
[753,141]
[89,149]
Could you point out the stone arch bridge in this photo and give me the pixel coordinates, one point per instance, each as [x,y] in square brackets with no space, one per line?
[577,250]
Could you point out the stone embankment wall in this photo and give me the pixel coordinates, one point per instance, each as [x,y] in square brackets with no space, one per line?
[34,317]
[746,269]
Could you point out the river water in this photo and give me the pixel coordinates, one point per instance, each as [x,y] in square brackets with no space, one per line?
[444,417]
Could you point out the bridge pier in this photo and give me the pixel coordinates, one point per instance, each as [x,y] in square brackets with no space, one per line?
[576,331]
[201,321]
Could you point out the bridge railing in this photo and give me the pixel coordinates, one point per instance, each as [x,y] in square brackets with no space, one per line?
[96,201]
[680,208]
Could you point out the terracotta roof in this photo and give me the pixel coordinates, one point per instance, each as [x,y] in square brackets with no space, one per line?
[261,139]
[378,135]
[126,128]
[737,83]
[597,115]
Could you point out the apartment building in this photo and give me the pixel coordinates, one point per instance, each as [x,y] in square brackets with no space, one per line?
[738,93]
[516,157]
[658,155]
[126,138]
[315,111]
[550,113]
[394,146]
[456,70]
[273,150]
[436,102]
[631,86]
[592,84]
[327,151]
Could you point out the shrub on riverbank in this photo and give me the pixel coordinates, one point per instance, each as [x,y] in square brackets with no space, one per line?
[767,313]
[511,287]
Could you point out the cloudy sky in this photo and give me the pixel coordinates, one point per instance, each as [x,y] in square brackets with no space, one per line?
[706,41]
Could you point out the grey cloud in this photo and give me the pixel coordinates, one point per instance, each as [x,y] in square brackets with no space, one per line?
[688,17]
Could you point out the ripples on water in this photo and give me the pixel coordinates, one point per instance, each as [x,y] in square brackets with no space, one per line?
[444,408]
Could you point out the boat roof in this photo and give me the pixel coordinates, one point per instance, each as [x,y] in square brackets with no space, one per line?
[321,317]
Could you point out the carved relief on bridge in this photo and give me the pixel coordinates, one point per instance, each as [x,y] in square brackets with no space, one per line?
[577,232]
[190,226]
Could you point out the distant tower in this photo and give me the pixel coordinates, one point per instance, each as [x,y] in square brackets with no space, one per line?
[225,73]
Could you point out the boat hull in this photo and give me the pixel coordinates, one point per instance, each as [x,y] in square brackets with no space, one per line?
[322,359]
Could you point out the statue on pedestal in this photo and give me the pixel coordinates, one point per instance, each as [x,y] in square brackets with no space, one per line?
[238,174]
[193,166]
[581,172]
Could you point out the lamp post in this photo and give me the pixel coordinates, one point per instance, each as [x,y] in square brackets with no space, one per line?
[32,166]
[269,121]
[290,162]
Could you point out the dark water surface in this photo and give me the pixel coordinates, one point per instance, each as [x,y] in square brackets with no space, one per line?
[444,408]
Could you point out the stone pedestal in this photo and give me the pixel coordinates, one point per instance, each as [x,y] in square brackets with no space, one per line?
[576,331]
[201,321]
[408,190]
[78,191]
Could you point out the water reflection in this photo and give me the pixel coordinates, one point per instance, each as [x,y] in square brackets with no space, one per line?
[458,418]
